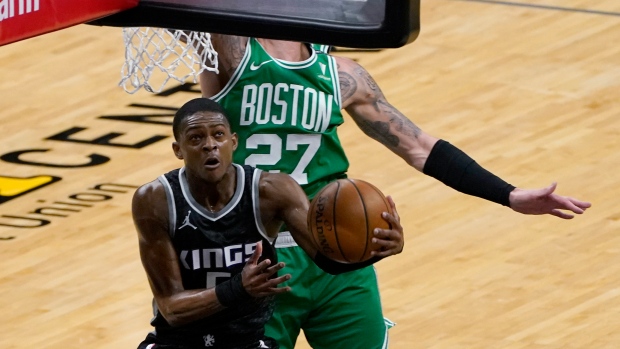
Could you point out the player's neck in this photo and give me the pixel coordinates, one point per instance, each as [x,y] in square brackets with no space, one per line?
[213,195]
[292,51]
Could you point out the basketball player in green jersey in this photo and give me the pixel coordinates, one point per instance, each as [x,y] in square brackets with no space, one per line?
[285,100]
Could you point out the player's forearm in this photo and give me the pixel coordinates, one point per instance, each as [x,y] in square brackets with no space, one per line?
[189,306]
[457,170]
[441,160]
[388,126]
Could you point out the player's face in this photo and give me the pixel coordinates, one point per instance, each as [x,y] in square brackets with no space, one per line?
[206,144]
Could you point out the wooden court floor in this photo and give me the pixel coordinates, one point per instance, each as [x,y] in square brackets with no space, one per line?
[531,92]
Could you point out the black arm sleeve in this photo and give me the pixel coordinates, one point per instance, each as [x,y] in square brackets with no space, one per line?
[455,169]
[335,268]
[231,291]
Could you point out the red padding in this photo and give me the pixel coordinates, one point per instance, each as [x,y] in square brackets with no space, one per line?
[21,19]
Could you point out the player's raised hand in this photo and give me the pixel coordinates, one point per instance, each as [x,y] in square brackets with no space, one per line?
[256,276]
[545,201]
[392,240]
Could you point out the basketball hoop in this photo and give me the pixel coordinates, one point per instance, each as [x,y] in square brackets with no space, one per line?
[153,56]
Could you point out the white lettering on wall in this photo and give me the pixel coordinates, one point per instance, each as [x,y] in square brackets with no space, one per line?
[8,7]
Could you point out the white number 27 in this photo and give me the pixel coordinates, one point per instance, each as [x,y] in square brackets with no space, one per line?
[293,141]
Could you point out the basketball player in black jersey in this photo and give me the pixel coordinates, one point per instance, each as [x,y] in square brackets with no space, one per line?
[206,234]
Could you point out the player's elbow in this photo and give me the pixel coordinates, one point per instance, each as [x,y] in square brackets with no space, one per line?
[172,316]
[175,320]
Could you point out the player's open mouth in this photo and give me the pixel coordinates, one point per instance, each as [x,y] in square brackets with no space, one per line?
[212,163]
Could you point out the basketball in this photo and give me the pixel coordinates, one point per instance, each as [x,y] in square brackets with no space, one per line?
[342,218]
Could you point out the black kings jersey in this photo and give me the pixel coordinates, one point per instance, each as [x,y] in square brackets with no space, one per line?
[212,247]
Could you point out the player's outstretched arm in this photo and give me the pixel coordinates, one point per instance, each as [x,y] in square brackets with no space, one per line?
[364,101]
[178,305]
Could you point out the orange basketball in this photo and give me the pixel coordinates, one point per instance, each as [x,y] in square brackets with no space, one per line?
[343,216]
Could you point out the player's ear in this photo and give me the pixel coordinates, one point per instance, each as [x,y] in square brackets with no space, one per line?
[235,140]
[177,150]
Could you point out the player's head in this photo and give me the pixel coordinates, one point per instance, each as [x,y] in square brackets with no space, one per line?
[203,139]
[194,106]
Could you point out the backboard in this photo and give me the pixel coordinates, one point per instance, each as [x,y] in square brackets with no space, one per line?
[348,23]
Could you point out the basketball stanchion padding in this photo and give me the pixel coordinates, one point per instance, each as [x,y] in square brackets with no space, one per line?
[22,19]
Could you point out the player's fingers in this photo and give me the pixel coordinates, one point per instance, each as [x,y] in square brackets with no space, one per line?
[394,221]
[387,249]
[253,272]
[550,189]
[389,240]
[385,234]
[276,281]
[258,251]
[562,214]
[384,243]
[258,282]
[581,204]
[384,253]
[260,275]
[272,283]
[568,204]
[260,268]
[274,269]
[388,217]
[273,291]
[393,207]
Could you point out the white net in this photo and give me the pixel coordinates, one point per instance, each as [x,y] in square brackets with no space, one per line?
[153,56]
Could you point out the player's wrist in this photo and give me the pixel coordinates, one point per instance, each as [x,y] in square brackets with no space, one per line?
[231,291]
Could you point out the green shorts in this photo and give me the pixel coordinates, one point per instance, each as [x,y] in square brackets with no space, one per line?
[334,311]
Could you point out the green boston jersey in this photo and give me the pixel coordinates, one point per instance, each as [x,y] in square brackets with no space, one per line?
[286,115]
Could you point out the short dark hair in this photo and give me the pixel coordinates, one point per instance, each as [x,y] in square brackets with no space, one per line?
[195,106]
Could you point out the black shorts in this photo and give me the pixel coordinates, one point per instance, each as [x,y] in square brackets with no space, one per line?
[151,342]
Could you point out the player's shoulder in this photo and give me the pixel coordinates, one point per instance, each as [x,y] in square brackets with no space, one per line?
[346,64]
[275,181]
[149,191]
[277,186]
[279,191]
[150,202]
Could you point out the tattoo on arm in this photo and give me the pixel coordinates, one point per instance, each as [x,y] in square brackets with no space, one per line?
[348,86]
[361,72]
[380,131]
[388,132]
[231,49]
[401,123]
[237,48]
[395,126]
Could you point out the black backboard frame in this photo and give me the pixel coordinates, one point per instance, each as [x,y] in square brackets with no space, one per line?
[401,24]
